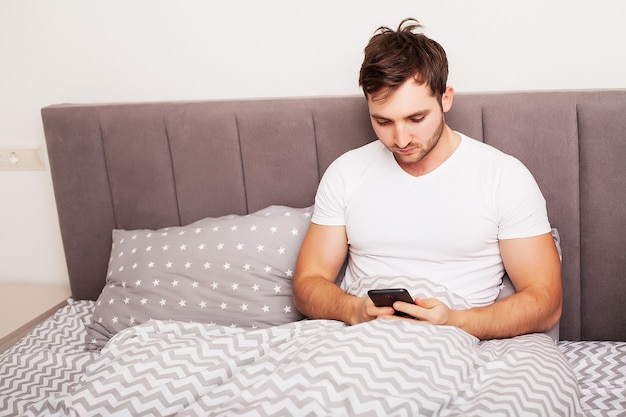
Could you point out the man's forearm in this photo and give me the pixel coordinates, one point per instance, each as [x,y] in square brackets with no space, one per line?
[318,298]
[521,313]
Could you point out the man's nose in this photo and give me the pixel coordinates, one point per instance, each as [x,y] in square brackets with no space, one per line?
[402,137]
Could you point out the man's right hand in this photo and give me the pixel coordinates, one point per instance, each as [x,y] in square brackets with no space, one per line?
[315,293]
[370,311]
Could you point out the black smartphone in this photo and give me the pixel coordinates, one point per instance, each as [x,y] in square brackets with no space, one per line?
[386,297]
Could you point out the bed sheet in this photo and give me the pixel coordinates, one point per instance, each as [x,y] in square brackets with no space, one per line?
[52,359]
[600,368]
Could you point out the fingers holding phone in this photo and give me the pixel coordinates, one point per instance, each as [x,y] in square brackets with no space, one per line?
[388,296]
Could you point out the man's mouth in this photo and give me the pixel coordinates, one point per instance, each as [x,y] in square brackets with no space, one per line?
[406,151]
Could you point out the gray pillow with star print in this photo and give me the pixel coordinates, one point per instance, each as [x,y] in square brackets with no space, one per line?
[232,271]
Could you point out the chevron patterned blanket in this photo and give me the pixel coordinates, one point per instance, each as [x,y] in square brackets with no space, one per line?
[319,368]
[313,368]
[50,364]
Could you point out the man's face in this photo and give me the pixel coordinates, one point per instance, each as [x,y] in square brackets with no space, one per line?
[409,122]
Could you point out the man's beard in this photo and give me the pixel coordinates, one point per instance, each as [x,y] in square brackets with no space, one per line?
[422,151]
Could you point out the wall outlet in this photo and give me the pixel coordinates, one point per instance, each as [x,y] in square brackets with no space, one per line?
[14,158]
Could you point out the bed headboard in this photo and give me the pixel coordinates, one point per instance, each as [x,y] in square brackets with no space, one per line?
[151,165]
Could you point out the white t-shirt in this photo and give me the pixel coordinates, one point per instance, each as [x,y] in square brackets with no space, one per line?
[443,226]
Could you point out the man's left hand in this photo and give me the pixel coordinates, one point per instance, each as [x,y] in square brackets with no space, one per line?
[430,310]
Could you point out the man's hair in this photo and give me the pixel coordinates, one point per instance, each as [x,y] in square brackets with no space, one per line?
[392,57]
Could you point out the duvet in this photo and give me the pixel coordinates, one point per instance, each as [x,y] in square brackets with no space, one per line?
[305,368]
[319,368]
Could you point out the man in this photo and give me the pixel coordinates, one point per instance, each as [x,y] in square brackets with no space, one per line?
[426,201]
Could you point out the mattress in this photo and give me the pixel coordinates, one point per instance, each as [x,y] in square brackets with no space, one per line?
[52,359]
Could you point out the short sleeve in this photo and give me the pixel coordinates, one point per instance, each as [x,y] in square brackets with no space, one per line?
[521,206]
[330,202]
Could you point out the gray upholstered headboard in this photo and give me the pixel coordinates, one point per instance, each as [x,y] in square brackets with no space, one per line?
[151,165]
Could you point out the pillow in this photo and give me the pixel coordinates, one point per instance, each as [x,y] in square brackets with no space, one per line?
[232,270]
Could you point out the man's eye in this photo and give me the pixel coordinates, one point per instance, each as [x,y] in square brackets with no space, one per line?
[382,122]
[417,120]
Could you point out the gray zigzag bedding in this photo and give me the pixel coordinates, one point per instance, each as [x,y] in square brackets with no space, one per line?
[322,368]
[55,350]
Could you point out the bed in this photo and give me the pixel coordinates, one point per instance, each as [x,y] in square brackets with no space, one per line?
[181,222]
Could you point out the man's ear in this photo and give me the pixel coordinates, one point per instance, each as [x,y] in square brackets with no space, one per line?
[447,99]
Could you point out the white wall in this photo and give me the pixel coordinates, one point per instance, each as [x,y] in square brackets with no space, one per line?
[144,50]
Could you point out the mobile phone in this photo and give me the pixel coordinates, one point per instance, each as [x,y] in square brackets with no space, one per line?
[386,297]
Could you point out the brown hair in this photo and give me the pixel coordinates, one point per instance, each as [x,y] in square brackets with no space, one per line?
[392,57]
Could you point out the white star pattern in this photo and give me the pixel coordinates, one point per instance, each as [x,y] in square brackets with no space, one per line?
[229,271]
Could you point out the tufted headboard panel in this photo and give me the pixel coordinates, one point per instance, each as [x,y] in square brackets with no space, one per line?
[151,165]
